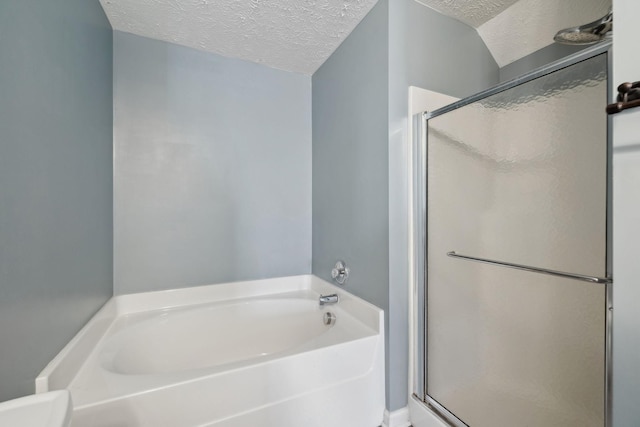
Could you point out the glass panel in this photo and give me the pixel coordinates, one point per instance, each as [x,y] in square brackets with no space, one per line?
[510,348]
[520,177]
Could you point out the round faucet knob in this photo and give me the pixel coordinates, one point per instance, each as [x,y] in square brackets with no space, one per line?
[340,273]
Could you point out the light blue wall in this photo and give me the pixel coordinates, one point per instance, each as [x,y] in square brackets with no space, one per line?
[212,168]
[433,52]
[350,159]
[360,106]
[55,179]
[350,210]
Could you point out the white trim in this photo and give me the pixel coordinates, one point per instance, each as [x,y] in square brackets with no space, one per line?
[421,416]
[399,418]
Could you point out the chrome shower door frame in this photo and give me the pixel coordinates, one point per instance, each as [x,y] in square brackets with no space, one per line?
[419,382]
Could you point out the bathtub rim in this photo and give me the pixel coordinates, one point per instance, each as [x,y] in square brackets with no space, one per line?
[63,368]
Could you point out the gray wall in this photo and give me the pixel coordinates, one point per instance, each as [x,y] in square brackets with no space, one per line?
[212,175]
[350,160]
[360,196]
[626,247]
[540,58]
[433,52]
[350,199]
[626,224]
[55,179]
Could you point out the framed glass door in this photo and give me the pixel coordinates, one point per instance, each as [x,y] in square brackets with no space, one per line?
[515,233]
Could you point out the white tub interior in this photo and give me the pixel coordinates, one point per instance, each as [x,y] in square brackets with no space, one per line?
[256,348]
[212,335]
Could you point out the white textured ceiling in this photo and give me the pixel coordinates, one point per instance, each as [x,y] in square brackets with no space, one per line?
[292,35]
[299,35]
[513,29]
[472,12]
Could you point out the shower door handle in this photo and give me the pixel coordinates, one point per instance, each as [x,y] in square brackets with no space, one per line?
[628,97]
[590,279]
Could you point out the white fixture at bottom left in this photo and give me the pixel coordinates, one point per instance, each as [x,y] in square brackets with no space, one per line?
[51,409]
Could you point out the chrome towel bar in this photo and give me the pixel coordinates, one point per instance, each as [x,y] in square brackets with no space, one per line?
[590,279]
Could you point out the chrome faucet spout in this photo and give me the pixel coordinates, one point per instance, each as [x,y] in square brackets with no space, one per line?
[328,299]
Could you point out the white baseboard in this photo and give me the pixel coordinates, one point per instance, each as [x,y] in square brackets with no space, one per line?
[399,418]
[421,416]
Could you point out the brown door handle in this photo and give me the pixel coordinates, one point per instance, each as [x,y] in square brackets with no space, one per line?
[628,97]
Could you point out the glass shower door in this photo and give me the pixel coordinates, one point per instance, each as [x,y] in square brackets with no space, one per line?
[516,254]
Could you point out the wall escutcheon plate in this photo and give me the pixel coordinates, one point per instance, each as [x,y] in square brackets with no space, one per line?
[340,273]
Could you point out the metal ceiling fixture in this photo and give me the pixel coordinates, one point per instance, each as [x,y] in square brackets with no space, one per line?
[590,33]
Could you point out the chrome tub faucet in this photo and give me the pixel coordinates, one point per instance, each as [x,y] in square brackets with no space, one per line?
[328,299]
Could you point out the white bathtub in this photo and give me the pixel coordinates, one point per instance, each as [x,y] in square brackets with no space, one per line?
[234,355]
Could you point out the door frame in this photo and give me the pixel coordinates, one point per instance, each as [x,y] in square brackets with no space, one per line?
[419,398]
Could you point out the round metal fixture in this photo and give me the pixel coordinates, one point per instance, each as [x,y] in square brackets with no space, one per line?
[340,273]
[329,318]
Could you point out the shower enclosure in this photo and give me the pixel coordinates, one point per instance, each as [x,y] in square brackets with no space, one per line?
[513,283]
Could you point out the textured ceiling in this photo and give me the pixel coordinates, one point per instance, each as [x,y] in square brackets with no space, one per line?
[299,35]
[513,29]
[292,35]
[472,12]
